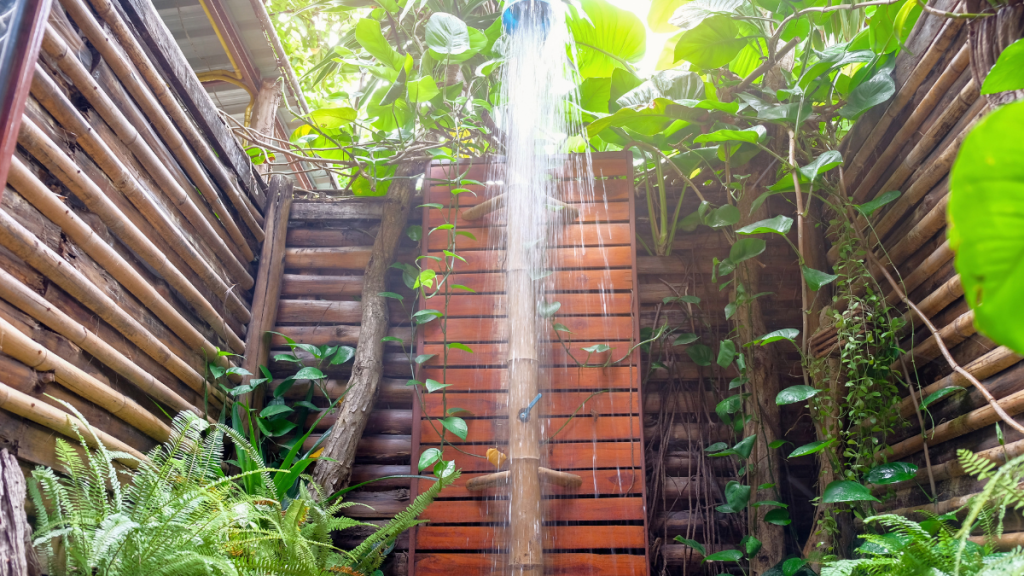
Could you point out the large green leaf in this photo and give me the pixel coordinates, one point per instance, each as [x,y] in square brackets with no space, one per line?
[745,249]
[878,89]
[714,43]
[446,35]
[1008,73]
[422,89]
[660,13]
[669,84]
[611,35]
[847,491]
[328,118]
[370,37]
[795,394]
[691,14]
[986,212]
[892,473]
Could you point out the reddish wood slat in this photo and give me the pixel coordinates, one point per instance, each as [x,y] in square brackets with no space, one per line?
[562,258]
[610,212]
[590,235]
[562,281]
[581,456]
[496,355]
[555,537]
[432,564]
[469,330]
[603,165]
[561,378]
[480,305]
[614,482]
[494,404]
[568,192]
[581,428]
[555,510]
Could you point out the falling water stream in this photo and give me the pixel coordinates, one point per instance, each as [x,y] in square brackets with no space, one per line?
[539,116]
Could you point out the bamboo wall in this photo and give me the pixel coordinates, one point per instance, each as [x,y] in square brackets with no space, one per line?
[910,146]
[125,243]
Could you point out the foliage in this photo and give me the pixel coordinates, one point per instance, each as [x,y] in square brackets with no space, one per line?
[178,513]
[986,211]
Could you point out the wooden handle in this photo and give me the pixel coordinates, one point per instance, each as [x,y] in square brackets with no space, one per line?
[489,481]
[563,479]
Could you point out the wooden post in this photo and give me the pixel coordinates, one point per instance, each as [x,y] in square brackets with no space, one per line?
[267,291]
[17,557]
[367,367]
[264,116]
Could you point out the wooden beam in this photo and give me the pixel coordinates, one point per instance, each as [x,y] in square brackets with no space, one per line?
[267,291]
[264,115]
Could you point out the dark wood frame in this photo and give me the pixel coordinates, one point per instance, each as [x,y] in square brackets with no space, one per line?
[19,61]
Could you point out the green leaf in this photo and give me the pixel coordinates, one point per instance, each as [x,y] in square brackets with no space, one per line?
[744,447]
[750,546]
[700,354]
[986,211]
[716,447]
[822,164]
[712,44]
[606,37]
[428,458]
[778,225]
[309,373]
[750,135]
[455,425]
[246,388]
[847,491]
[676,85]
[878,89]
[725,556]
[423,358]
[559,327]
[333,118]
[597,348]
[778,516]
[776,444]
[745,249]
[274,410]
[434,385]
[723,216]
[393,295]
[687,338]
[790,566]
[868,208]
[692,544]
[370,37]
[422,89]
[421,317]
[459,346]
[891,473]
[816,278]
[343,355]
[1008,73]
[812,448]
[940,394]
[414,232]
[691,14]
[738,382]
[275,428]
[446,35]
[736,497]
[795,394]
[789,334]
[729,405]
[284,386]
[548,309]
[726,353]
[657,20]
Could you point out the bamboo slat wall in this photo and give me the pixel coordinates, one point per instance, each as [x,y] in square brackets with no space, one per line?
[125,246]
[910,146]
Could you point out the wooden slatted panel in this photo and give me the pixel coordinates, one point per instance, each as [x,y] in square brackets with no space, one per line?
[592,417]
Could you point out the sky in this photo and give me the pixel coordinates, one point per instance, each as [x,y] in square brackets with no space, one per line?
[655,42]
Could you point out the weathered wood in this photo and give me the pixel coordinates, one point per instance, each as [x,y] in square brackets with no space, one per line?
[17,557]
[264,116]
[555,537]
[555,510]
[168,56]
[268,284]
[343,209]
[367,366]
[434,564]
[610,482]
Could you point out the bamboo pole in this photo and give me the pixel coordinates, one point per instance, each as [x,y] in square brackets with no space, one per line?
[156,87]
[952,334]
[34,409]
[923,271]
[64,169]
[943,296]
[990,364]
[906,93]
[49,94]
[57,49]
[952,468]
[26,246]
[56,103]
[43,311]
[921,112]
[267,293]
[113,263]
[22,348]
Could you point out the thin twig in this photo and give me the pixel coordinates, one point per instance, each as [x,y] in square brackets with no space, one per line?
[800,251]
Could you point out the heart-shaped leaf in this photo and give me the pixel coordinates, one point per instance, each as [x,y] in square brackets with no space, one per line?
[548,309]
[847,491]
[428,458]
[868,208]
[456,426]
[812,448]
[891,473]
[816,278]
[434,385]
[778,225]
[789,334]
[795,394]
[726,353]
[685,338]
[309,373]
[692,544]
[745,249]
[700,354]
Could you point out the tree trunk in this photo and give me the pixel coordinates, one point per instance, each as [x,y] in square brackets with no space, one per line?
[763,387]
[17,558]
[264,115]
[368,363]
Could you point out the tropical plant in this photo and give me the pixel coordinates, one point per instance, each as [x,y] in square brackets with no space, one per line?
[179,514]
